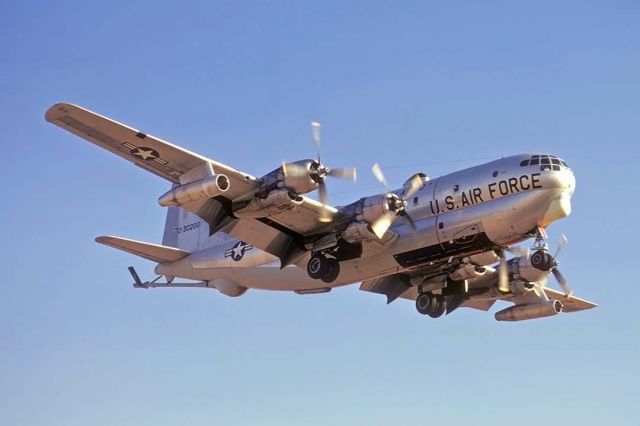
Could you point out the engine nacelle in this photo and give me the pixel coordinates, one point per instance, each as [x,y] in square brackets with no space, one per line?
[372,208]
[298,182]
[525,312]
[201,189]
[519,287]
[275,202]
[521,268]
[467,272]
[358,232]
[485,258]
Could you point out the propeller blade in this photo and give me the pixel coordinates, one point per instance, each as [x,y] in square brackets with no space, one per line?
[377,172]
[343,173]
[323,197]
[414,186]
[561,245]
[568,291]
[292,169]
[519,251]
[411,222]
[382,224]
[315,133]
[503,274]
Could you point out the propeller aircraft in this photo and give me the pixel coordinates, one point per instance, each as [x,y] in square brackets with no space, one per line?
[442,243]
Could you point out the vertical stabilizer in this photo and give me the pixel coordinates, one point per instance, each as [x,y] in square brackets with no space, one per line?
[186,231]
[170,237]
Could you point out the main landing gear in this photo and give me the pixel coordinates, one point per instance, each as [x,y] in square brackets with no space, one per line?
[431,304]
[323,268]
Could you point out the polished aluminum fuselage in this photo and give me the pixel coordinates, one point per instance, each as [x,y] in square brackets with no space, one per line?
[470,211]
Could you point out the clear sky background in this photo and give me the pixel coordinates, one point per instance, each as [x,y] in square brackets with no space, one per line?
[416,86]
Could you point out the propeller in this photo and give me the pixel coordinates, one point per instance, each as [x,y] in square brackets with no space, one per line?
[396,204]
[503,273]
[318,172]
[568,291]
[538,289]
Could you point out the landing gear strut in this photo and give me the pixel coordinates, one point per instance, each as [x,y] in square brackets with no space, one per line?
[323,268]
[431,304]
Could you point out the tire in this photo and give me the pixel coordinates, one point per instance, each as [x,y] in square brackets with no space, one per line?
[439,306]
[424,303]
[318,267]
[333,271]
[541,260]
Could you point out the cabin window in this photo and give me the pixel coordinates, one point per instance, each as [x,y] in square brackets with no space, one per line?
[524,163]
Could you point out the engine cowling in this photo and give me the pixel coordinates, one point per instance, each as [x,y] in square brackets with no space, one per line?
[525,312]
[373,208]
[521,267]
[275,202]
[358,232]
[467,272]
[298,182]
[519,287]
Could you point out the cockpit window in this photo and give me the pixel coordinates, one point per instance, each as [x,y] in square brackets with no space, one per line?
[546,162]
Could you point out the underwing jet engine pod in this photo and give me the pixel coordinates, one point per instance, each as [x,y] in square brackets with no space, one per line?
[525,312]
[198,190]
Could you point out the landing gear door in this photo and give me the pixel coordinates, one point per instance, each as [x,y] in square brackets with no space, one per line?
[457,234]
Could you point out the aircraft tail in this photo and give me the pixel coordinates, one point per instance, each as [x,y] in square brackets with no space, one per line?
[185,231]
[155,252]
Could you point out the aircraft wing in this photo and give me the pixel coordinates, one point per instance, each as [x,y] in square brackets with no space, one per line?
[280,234]
[569,304]
[144,150]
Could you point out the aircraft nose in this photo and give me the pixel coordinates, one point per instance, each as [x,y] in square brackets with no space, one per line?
[560,206]
[563,179]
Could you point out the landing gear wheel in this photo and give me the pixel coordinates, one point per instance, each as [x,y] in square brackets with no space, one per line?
[438,306]
[318,266]
[333,272]
[424,303]
[541,260]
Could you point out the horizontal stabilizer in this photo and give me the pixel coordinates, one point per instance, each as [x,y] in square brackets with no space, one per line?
[155,252]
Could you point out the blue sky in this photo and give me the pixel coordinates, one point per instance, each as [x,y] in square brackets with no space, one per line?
[416,86]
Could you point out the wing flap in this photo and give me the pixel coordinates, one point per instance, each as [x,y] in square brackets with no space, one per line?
[154,252]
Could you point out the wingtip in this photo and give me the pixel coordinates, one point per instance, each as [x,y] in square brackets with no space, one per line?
[56,111]
[103,239]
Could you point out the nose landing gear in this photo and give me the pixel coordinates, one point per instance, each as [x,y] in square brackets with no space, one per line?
[323,268]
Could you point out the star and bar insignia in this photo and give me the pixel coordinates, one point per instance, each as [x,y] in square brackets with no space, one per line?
[238,250]
[147,154]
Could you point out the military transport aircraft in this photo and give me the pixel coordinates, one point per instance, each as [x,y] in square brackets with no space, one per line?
[440,242]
